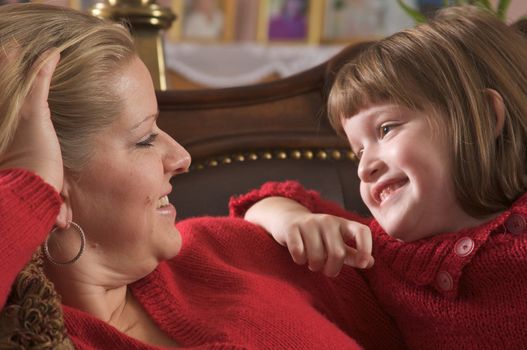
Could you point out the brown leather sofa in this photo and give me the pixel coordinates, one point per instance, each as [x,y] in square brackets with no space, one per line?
[241,137]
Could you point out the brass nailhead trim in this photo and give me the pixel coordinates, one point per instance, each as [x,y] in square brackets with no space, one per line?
[296,154]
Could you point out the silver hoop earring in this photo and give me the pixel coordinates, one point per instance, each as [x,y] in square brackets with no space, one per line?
[76,257]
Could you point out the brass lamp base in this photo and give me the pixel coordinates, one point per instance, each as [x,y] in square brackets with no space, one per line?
[147,20]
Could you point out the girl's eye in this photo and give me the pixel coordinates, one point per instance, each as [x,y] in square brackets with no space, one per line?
[359,153]
[385,129]
[148,142]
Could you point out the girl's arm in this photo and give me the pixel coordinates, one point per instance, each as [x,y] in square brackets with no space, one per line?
[313,231]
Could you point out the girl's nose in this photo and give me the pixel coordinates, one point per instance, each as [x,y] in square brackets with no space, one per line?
[370,166]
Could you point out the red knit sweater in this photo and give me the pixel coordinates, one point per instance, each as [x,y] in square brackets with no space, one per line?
[459,290]
[231,286]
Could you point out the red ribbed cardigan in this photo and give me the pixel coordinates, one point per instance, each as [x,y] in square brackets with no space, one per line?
[231,286]
[458,290]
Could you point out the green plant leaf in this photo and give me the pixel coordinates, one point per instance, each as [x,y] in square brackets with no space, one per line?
[500,11]
[486,4]
[503,5]
[417,16]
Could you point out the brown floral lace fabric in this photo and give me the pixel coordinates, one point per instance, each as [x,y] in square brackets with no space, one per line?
[32,317]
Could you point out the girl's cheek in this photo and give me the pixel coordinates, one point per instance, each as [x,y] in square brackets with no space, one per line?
[364,195]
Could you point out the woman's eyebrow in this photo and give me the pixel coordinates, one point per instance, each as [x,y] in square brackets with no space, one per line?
[152,116]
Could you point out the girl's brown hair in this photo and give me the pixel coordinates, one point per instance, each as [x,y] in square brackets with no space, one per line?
[446,66]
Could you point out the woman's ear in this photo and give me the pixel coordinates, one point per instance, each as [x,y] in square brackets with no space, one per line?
[65,214]
[496,101]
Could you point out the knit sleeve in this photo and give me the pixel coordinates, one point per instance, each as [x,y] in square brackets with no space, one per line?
[295,191]
[28,208]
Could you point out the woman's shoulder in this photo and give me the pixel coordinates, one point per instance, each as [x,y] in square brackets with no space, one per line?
[228,237]
[216,228]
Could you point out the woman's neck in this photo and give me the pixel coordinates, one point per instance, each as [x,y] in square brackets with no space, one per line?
[104,296]
[112,303]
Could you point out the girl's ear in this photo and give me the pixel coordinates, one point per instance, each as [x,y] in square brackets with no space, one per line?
[498,106]
[65,214]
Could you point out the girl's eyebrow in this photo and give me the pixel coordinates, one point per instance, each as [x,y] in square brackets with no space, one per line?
[373,118]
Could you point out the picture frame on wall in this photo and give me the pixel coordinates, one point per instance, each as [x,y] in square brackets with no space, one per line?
[80,5]
[287,21]
[83,5]
[203,20]
[6,2]
[347,21]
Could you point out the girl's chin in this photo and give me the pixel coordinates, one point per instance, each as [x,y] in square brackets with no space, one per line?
[396,235]
[406,236]
[397,232]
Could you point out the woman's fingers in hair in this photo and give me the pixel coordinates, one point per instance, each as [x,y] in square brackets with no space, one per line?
[35,146]
[36,103]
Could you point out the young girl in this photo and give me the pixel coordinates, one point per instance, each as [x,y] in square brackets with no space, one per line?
[437,116]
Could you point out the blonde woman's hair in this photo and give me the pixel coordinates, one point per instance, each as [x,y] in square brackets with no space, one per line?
[80,98]
[445,67]
[82,103]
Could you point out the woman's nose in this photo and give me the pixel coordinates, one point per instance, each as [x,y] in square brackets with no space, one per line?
[370,166]
[177,160]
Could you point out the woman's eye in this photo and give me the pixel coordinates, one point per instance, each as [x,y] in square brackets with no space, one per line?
[148,142]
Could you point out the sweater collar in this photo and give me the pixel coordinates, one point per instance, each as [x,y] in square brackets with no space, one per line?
[439,261]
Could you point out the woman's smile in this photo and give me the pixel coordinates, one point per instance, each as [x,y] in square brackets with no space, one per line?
[164,207]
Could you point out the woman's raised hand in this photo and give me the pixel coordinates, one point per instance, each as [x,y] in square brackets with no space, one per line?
[35,146]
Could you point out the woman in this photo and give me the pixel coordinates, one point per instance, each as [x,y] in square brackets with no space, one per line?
[114,255]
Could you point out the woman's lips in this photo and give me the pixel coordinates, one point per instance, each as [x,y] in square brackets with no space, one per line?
[167,210]
[164,207]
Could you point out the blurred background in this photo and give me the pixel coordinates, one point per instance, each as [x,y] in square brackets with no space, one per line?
[225,43]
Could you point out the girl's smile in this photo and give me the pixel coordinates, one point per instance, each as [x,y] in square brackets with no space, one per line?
[405,171]
[385,190]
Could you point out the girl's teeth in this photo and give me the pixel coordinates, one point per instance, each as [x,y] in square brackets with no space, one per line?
[386,192]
